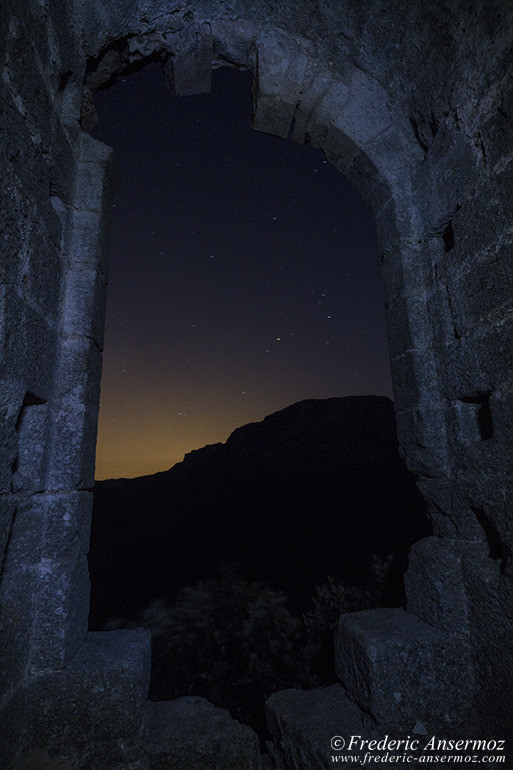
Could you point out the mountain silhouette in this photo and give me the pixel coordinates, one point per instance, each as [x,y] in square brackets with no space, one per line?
[314,489]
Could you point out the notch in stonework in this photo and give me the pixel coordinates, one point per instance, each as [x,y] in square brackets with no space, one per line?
[498,550]
[448,237]
[31,426]
[474,418]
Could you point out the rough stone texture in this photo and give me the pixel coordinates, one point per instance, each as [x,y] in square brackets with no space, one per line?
[188,69]
[303,724]
[412,101]
[88,714]
[400,669]
[191,734]
[98,696]
[437,596]
[320,728]
[489,591]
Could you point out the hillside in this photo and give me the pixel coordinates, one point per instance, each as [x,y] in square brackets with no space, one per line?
[314,489]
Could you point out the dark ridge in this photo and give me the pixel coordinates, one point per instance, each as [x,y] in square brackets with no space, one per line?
[314,489]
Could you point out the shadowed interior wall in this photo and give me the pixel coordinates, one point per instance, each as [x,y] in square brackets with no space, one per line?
[413,104]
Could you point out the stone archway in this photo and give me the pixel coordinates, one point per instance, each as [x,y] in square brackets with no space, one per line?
[425,171]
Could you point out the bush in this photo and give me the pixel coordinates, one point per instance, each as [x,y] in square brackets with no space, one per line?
[230,641]
[235,643]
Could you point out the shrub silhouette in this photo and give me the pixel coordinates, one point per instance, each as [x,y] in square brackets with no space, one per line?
[235,642]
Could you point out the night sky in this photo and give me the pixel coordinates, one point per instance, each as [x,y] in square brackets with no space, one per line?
[244,275]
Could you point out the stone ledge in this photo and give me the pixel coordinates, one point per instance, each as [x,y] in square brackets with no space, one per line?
[399,669]
[98,696]
[190,733]
[304,722]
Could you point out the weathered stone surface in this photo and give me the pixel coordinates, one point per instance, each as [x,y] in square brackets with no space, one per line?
[400,669]
[98,696]
[32,426]
[489,591]
[435,585]
[7,511]
[188,70]
[73,451]
[280,72]
[49,527]
[11,403]
[84,303]
[414,104]
[15,630]
[29,342]
[191,733]
[45,610]
[79,354]
[305,725]
[423,437]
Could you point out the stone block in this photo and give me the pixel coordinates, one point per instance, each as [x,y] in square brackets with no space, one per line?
[444,180]
[483,218]
[369,181]
[234,40]
[422,435]
[7,510]
[45,609]
[57,594]
[304,724]
[413,378]
[485,291]
[29,343]
[89,242]
[489,590]
[96,152]
[392,154]
[496,130]
[363,112]
[16,619]
[406,267]
[407,325]
[84,303]
[431,461]
[480,362]
[81,364]
[313,118]
[72,461]
[444,328]
[188,70]
[8,442]
[437,492]
[423,427]
[339,149]
[281,68]
[434,583]
[88,194]
[400,669]
[466,421]
[29,468]
[44,286]
[98,696]
[191,733]
[50,527]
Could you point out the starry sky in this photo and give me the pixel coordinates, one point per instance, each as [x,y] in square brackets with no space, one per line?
[244,275]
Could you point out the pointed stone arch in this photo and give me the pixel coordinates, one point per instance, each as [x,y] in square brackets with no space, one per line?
[425,136]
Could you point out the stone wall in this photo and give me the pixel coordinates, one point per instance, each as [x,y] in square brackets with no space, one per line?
[411,101]
[41,69]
